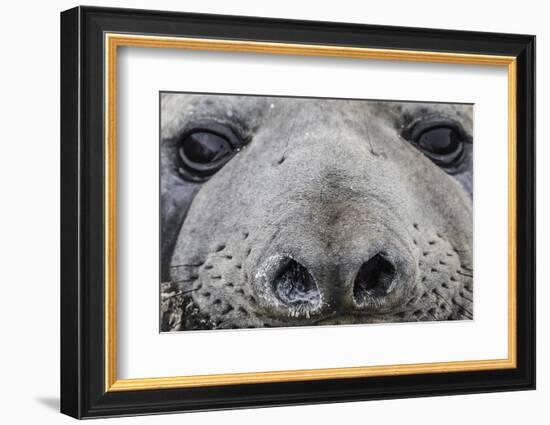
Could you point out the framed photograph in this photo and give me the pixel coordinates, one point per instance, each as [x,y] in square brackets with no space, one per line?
[261,212]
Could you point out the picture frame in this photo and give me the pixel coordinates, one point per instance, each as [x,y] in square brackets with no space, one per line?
[90,41]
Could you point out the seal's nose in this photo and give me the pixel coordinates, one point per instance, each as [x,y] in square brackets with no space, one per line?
[293,284]
[374,280]
[289,288]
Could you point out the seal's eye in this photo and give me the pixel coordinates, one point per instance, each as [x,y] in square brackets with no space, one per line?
[441,140]
[205,149]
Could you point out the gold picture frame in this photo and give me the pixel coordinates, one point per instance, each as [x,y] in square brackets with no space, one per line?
[114,41]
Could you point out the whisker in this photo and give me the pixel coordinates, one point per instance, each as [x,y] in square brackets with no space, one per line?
[432,314]
[463,311]
[466,298]
[441,297]
[182,293]
[460,272]
[465,314]
[191,279]
[186,265]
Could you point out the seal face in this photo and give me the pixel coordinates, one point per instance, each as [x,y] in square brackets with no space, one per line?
[281,211]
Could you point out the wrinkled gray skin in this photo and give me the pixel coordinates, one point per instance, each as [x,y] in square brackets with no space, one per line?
[329,184]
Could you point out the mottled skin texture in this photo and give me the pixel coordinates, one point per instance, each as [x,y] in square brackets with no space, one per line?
[329,184]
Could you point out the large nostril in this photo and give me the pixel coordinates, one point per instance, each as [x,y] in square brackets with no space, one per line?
[373,280]
[293,285]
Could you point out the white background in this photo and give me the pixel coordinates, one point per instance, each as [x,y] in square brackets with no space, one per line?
[29,225]
[140,344]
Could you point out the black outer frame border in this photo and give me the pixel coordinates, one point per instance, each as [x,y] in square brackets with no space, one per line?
[82,206]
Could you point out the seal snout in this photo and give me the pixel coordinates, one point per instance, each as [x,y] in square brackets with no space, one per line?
[300,287]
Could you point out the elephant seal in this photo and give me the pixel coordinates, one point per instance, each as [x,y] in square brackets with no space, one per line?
[280,211]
